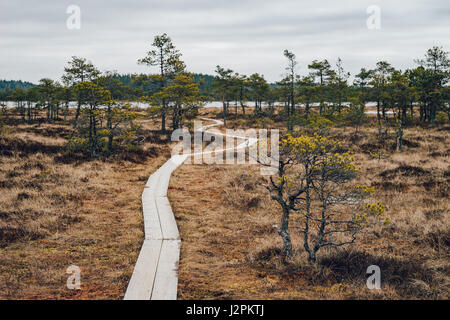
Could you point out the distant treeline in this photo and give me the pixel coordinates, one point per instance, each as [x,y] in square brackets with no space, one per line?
[15,84]
[204,81]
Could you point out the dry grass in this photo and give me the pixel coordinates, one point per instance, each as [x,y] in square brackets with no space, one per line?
[57,211]
[231,251]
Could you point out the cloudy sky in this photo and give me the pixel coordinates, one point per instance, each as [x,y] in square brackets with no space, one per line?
[245,35]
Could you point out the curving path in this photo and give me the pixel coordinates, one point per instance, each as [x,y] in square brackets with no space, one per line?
[155,275]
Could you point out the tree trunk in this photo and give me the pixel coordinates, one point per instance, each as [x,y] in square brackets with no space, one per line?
[110,133]
[224,109]
[312,256]
[95,139]
[241,97]
[307,110]
[399,132]
[433,113]
[285,235]
[163,119]
[378,118]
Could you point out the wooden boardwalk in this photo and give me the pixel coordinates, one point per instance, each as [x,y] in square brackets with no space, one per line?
[155,275]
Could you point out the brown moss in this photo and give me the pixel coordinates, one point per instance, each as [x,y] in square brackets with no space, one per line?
[58,209]
[243,260]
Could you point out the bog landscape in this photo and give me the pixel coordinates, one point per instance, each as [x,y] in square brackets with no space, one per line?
[320,185]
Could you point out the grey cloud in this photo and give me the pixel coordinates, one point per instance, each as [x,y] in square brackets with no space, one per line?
[248,36]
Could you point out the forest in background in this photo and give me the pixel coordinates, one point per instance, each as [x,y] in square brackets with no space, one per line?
[175,95]
[204,81]
[15,84]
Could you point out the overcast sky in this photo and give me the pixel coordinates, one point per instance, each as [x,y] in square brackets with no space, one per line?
[247,36]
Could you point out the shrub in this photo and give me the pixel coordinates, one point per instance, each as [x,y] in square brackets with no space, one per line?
[355,116]
[441,118]
[78,145]
[314,181]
